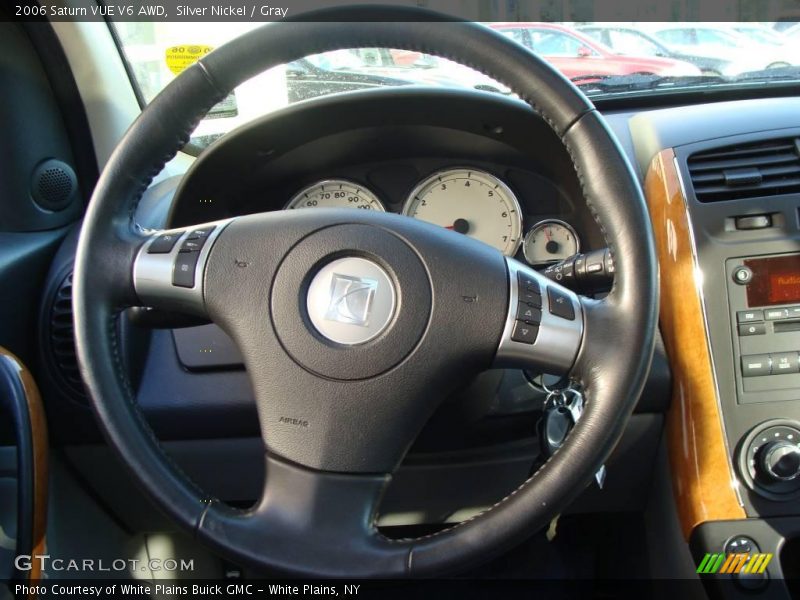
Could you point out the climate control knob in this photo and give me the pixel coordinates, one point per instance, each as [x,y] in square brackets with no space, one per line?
[769,460]
[780,461]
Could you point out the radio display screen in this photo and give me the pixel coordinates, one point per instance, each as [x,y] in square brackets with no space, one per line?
[776,280]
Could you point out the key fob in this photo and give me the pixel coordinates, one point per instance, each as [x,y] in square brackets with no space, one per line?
[554,427]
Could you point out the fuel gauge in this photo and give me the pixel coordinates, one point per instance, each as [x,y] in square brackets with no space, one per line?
[550,241]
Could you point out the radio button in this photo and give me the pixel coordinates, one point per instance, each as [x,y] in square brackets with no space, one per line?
[752,329]
[785,362]
[742,275]
[755,365]
[773,314]
[748,316]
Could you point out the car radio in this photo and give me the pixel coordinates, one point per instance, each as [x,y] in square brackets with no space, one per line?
[764,300]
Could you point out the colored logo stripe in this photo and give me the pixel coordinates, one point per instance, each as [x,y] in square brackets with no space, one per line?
[711,563]
[734,563]
[757,563]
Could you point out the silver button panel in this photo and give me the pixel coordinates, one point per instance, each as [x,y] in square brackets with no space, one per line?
[558,339]
[153,273]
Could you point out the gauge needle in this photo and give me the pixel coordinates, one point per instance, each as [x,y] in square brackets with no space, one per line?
[547,234]
[459,226]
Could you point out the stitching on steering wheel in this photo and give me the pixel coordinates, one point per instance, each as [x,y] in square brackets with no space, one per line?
[130,397]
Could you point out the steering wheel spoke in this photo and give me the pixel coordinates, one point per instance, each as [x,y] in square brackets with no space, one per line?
[544,323]
[317,517]
[169,268]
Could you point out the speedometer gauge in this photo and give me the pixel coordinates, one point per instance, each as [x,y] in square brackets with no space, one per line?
[472,202]
[335,193]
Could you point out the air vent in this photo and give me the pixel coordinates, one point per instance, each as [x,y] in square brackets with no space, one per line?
[770,168]
[62,340]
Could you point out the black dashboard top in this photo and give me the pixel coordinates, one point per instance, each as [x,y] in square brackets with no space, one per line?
[387,141]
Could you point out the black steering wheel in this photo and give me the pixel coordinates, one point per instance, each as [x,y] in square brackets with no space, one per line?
[353,325]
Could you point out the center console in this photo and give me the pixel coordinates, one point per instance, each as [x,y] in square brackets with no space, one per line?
[737,178]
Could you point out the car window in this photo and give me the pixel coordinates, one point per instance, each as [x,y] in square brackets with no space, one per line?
[681,37]
[599,35]
[628,42]
[715,37]
[555,43]
[517,34]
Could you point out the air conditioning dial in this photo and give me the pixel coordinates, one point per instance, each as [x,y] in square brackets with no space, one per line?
[780,461]
[769,459]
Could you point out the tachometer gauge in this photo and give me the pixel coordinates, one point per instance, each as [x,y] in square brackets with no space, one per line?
[550,241]
[335,193]
[471,202]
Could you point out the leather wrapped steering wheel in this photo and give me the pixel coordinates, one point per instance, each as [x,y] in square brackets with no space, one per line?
[354,324]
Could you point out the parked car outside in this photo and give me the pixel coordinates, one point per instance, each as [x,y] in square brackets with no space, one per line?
[305,79]
[579,56]
[424,69]
[766,36]
[630,40]
[719,41]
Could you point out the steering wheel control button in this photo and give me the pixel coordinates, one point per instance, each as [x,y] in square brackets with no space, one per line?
[183,271]
[746,329]
[524,333]
[528,284]
[742,275]
[192,245]
[199,233]
[541,332]
[351,301]
[529,314]
[533,299]
[164,244]
[560,304]
[172,280]
[749,316]
[756,365]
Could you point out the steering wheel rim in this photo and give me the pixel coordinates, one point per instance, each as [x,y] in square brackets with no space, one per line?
[317,515]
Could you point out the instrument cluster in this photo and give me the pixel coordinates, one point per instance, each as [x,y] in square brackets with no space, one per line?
[467,200]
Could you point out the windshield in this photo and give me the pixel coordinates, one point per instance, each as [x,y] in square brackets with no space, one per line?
[602,59]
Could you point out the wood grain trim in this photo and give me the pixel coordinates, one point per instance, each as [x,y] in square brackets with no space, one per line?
[40,452]
[702,480]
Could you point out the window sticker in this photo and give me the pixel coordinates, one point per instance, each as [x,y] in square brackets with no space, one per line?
[179,58]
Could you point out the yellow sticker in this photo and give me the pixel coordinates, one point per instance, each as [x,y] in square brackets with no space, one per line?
[181,57]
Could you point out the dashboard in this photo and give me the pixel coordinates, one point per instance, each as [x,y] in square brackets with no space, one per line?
[440,157]
[392,150]
[409,151]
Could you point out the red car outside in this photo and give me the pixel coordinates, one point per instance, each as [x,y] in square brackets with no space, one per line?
[580,57]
